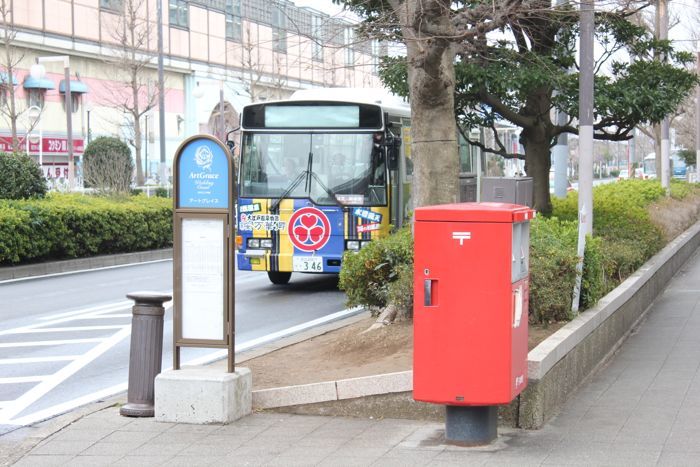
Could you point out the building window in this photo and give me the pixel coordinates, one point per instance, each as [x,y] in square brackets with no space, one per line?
[75,102]
[179,13]
[35,98]
[279,29]
[317,38]
[115,5]
[233,20]
[349,46]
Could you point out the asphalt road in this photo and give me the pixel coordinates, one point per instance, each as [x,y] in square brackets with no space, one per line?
[64,340]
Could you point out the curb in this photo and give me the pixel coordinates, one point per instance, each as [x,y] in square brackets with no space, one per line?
[82,264]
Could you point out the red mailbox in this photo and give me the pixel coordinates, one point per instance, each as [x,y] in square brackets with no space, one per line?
[470,303]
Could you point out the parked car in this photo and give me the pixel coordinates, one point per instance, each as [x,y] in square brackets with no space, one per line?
[624,174]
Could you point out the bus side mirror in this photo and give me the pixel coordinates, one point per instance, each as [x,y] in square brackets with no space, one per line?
[393,145]
[231,145]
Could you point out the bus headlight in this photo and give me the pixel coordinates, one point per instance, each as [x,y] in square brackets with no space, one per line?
[266,243]
[364,244]
[253,243]
[352,245]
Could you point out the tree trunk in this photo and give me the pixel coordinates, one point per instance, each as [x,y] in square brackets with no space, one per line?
[137,151]
[433,128]
[537,164]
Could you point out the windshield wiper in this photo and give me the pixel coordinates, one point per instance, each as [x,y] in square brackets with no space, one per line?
[328,191]
[289,189]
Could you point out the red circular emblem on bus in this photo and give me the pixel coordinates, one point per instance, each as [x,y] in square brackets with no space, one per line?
[309,229]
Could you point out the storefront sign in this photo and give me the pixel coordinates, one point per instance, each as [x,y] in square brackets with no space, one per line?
[50,146]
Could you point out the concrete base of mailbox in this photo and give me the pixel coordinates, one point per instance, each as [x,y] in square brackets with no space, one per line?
[203,395]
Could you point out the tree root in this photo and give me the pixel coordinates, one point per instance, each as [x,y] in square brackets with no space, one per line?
[386,317]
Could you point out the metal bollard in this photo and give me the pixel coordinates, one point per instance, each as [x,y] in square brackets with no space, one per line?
[146,352]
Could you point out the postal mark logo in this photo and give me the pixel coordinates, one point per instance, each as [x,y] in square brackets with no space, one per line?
[309,229]
[203,157]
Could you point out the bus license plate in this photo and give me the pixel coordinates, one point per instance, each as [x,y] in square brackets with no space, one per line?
[307,264]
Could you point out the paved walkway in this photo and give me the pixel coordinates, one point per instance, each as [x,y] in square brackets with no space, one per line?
[642,409]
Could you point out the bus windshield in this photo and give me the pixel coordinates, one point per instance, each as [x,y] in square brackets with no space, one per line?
[328,168]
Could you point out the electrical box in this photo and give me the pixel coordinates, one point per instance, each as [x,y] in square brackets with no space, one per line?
[471,273]
[516,190]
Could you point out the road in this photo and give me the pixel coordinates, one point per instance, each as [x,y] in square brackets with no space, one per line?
[64,339]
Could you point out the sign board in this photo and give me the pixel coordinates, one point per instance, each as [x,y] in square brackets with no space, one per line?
[203,264]
[49,145]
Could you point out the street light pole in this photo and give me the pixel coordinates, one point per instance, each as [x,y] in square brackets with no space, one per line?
[662,11]
[161,93]
[39,72]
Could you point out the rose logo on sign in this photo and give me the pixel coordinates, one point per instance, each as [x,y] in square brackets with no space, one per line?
[204,158]
[309,229]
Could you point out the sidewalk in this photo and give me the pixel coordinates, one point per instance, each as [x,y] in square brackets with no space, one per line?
[643,408]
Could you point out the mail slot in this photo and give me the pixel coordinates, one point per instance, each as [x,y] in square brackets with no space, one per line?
[471,303]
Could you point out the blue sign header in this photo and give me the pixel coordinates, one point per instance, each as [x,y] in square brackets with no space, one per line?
[203,175]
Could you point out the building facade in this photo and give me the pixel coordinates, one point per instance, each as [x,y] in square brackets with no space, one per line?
[255,49]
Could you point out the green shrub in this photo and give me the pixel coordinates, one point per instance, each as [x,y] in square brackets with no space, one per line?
[552,269]
[107,165]
[366,275]
[71,226]
[21,177]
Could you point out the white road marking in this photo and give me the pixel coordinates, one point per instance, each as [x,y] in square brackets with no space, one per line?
[114,315]
[71,329]
[116,389]
[116,306]
[64,373]
[10,345]
[25,360]
[23,379]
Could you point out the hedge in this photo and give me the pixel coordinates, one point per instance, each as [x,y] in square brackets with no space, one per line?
[624,238]
[70,226]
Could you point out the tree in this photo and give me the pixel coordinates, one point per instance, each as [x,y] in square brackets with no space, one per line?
[21,177]
[107,165]
[520,78]
[434,33]
[131,33]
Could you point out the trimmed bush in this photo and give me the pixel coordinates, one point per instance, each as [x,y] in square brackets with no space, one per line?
[367,275]
[107,165]
[21,177]
[70,226]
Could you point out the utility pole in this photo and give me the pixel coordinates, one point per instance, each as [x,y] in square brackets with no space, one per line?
[697,120]
[585,140]
[662,16]
[161,95]
[560,152]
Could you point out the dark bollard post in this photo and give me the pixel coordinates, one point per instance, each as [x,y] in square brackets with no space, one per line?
[146,352]
[471,425]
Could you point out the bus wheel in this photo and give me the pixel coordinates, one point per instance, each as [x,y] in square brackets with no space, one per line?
[279,278]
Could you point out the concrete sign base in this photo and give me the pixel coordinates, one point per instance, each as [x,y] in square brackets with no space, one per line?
[200,395]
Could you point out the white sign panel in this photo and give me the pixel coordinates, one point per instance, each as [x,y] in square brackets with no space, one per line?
[203,279]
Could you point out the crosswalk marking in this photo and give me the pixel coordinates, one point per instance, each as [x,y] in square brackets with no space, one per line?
[23,379]
[5,345]
[71,329]
[26,360]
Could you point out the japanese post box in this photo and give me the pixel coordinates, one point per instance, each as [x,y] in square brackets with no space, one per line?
[470,303]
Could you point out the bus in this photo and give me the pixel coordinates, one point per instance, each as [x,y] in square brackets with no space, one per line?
[321,173]
[678,166]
